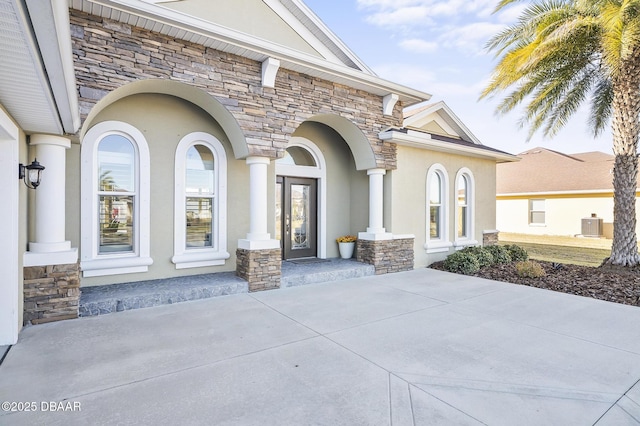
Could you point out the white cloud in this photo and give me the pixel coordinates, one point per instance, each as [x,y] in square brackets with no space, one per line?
[415,15]
[417,45]
[410,75]
[472,37]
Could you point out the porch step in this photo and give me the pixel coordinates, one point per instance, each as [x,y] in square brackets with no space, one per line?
[106,299]
[313,271]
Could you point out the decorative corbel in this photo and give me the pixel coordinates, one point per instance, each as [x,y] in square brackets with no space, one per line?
[269,70]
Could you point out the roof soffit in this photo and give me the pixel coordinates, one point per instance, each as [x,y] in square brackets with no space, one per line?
[24,86]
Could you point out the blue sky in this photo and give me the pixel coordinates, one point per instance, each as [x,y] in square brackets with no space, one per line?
[438,46]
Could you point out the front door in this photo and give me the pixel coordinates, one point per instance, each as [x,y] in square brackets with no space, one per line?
[296,216]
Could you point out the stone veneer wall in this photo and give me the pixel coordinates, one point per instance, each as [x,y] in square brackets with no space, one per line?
[261,268]
[51,293]
[490,238]
[387,256]
[108,54]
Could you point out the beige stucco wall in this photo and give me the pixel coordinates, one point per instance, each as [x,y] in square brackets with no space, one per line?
[164,121]
[253,17]
[406,210]
[563,216]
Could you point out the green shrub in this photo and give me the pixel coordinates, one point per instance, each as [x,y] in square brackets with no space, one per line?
[500,254]
[485,258]
[529,269]
[517,253]
[462,262]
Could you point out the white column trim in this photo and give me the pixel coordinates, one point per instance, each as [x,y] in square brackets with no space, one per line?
[258,238]
[50,246]
[9,229]
[375,230]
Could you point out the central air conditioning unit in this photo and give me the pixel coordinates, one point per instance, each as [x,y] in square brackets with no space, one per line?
[592,226]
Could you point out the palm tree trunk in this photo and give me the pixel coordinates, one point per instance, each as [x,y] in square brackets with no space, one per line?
[625,126]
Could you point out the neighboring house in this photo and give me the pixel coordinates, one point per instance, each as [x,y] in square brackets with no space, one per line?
[185,138]
[550,193]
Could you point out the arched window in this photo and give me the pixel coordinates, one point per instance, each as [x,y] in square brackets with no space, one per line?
[437,238]
[115,200]
[200,230]
[465,209]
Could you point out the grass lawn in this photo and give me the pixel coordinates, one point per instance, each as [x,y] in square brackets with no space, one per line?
[577,251]
[563,254]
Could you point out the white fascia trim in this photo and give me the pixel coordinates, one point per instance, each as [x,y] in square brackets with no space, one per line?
[421,140]
[315,20]
[54,40]
[207,29]
[303,31]
[542,194]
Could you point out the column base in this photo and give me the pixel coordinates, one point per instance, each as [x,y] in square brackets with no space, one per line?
[51,293]
[375,236]
[66,257]
[262,269]
[387,255]
[250,244]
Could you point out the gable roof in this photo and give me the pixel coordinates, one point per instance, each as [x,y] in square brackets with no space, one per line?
[437,128]
[438,119]
[543,170]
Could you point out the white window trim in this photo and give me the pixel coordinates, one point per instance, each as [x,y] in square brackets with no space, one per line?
[530,206]
[441,244]
[459,242]
[315,172]
[207,256]
[92,263]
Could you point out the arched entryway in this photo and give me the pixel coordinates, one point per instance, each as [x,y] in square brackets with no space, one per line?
[300,217]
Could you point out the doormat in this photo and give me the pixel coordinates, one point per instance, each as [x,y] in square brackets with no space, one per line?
[307,261]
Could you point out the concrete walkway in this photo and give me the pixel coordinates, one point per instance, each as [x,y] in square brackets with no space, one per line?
[417,348]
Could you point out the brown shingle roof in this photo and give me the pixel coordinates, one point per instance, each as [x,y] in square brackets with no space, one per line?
[544,170]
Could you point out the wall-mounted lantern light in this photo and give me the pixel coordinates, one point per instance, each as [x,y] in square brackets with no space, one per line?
[31,174]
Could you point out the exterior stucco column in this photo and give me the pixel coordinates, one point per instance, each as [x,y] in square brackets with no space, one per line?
[50,246]
[258,238]
[375,230]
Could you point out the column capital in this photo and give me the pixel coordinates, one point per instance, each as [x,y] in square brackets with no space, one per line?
[40,139]
[257,160]
[376,172]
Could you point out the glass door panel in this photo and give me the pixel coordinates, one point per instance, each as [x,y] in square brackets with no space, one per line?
[297,219]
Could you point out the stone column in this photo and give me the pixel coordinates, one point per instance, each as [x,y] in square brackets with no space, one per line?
[50,246]
[51,273]
[377,247]
[258,258]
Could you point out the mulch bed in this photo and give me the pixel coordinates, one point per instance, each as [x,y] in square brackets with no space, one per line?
[611,284]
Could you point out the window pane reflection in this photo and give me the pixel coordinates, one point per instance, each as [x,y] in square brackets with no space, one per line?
[199,222]
[199,170]
[116,224]
[116,157]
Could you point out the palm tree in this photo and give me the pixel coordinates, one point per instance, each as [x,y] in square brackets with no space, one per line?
[561,53]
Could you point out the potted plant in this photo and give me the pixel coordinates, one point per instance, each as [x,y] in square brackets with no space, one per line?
[346,244]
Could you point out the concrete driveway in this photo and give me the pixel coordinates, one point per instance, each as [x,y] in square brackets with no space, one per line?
[416,348]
